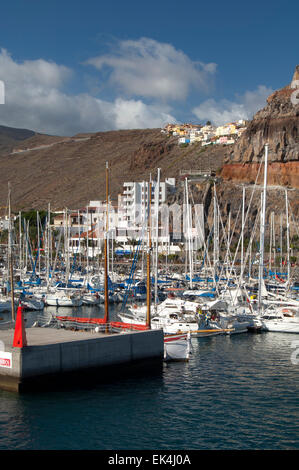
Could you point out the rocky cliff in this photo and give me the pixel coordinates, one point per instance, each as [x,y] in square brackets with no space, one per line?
[276,124]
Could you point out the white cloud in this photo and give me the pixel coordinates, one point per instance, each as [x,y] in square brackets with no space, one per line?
[135,114]
[224,111]
[148,68]
[34,98]
[33,74]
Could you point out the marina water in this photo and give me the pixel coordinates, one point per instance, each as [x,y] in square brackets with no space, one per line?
[236,392]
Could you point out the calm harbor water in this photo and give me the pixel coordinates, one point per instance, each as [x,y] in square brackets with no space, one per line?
[236,392]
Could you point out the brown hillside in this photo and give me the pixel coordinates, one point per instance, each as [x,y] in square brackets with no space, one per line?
[69,172]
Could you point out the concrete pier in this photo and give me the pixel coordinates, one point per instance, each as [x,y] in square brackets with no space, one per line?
[54,354]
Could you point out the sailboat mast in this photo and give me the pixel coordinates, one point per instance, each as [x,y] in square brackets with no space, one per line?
[10,256]
[262,236]
[288,235]
[66,241]
[186,240]
[87,244]
[48,243]
[216,233]
[280,242]
[79,241]
[157,195]
[20,247]
[271,238]
[189,234]
[38,241]
[242,235]
[106,250]
[26,244]
[250,257]
[112,260]
[228,237]
[144,219]
[274,243]
[148,259]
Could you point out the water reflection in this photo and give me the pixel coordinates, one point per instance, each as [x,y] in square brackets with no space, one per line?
[15,427]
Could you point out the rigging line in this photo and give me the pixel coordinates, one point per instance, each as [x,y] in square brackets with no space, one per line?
[39,244]
[249,205]
[28,242]
[206,253]
[56,257]
[228,245]
[252,235]
[205,246]
[232,261]
[222,225]
[247,253]
[295,225]
[133,267]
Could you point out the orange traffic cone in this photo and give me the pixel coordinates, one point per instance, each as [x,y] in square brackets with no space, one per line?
[20,339]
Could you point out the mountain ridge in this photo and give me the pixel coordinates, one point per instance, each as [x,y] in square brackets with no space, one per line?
[11,136]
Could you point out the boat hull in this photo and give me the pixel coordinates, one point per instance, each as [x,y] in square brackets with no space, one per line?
[280,327]
[177,348]
[61,302]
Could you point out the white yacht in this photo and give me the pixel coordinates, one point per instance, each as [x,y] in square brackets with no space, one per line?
[284,320]
[63,298]
[174,323]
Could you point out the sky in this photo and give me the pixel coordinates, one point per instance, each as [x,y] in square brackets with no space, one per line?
[68,67]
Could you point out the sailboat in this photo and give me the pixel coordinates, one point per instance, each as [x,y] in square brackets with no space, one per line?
[274,318]
[177,347]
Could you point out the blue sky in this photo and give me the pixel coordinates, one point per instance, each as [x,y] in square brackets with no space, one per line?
[80,66]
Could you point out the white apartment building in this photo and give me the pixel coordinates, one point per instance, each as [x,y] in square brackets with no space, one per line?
[133,206]
[135,199]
